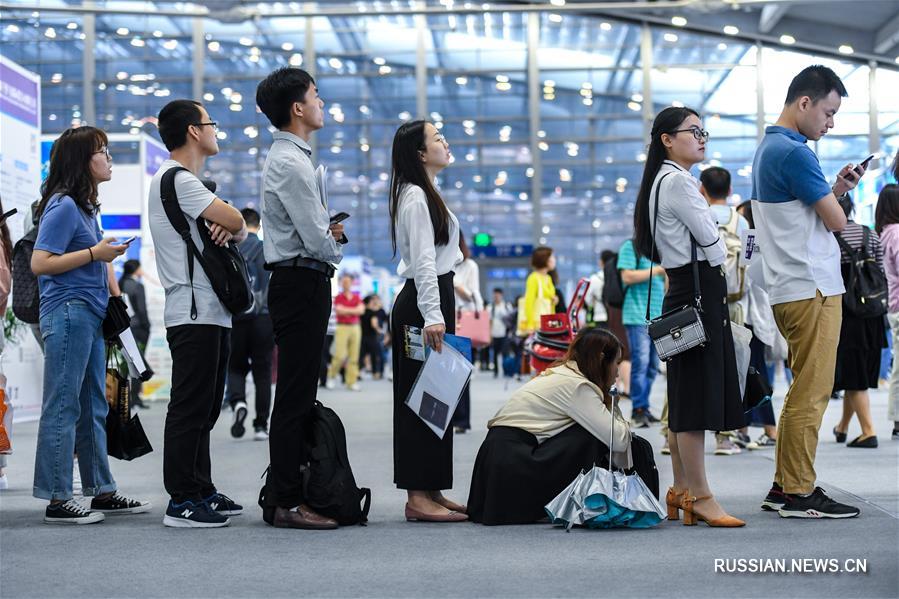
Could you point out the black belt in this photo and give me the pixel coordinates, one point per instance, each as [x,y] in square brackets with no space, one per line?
[300,262]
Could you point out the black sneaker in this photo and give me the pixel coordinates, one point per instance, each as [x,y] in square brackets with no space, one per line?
[740,439]
[70,512]
[652,419]
[224,505]
[119,504]
[816,505]
[240,414]
[193,515]
[775,500]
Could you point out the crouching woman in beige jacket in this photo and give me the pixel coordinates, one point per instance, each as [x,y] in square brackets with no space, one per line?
[553,427]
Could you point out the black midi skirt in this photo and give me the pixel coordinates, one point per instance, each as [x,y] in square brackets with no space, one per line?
[703,388]
[421,460]
[514,476]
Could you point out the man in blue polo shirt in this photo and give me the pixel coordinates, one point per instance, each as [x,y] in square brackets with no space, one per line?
[635,270]
[795,212]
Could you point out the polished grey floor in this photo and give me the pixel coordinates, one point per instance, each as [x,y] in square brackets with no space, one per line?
[137,556]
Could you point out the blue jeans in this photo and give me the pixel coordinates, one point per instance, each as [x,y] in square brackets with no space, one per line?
[644,365]
[73,413]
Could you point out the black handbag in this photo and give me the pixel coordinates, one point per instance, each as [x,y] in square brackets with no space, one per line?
[117,319]
[125,436]
[680,329]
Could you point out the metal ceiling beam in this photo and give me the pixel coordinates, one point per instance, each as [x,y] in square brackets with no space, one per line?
[887,36]
[623,11]
[771,15]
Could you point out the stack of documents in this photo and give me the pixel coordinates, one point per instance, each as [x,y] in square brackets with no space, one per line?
[439,385]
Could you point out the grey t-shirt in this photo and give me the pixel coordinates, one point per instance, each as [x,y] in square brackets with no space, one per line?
[171,252]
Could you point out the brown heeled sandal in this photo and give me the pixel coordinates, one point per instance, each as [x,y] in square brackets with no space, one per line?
[675,502]
[691,517]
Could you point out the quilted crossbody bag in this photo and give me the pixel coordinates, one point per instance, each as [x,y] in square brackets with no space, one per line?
[680,329]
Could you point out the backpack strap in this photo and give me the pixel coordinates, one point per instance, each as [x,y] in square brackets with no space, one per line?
[848,248]
[176,217]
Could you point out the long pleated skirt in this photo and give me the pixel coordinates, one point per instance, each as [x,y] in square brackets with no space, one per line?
[421,460]
[703,388]
[515,476]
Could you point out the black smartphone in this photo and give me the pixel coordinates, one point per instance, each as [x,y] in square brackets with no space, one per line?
[863,164]
[7,215]
[339,217]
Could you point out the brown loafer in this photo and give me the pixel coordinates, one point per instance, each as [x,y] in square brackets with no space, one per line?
[303,517]
[413,515]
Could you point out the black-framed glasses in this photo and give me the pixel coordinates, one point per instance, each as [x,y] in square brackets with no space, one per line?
[104,150]
[698,134]
[213,124]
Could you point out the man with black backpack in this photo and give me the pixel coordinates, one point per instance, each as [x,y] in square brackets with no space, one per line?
[301,247]
[252,340]
[197,320]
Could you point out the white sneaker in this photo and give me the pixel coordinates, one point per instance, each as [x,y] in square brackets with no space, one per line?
[4,482]
[260,435]
[331,384]
[355,387]
[725,446]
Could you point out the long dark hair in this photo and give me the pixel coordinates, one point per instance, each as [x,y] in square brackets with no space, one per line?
[70,168]
[665,122]
[594,350]
[6,241]
[408,169]
[887,211]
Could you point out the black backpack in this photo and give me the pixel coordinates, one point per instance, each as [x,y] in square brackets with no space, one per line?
[26,298]
[613,289]
[866,289]
[223,265]
[328,483]
[258,278]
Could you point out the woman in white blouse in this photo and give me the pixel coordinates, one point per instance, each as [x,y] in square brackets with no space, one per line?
[703,389]
[556,425]
[426,234]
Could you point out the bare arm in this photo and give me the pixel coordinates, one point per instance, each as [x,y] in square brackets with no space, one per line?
[631,277]
[46,263]
[113,284]
[830,212]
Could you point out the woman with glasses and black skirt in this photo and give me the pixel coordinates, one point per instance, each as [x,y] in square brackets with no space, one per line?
[426,234]
[703,388]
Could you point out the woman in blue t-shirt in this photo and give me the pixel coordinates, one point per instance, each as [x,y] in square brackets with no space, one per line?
[71,259]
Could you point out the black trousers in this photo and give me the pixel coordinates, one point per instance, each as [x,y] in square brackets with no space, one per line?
[421,461]
[371,346]
[326,359]
[299,301]
[252,342]
[499,352]
[199,363]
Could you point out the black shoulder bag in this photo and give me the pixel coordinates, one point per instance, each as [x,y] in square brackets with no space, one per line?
[678,330]
[224,265]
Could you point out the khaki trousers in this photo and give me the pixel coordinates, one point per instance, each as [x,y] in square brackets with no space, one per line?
[812,330]
[347,342]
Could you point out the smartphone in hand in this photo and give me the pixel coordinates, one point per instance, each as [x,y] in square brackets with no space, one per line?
[863,165]
[124,241]
[339,218]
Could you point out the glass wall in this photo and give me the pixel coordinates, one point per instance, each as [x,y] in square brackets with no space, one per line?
[598,83]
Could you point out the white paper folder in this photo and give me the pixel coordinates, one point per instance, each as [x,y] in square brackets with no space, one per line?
[439,385]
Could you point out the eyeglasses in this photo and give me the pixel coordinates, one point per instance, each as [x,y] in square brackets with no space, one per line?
[213,124]
[104,150]
[698,134]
